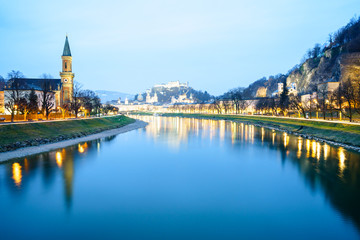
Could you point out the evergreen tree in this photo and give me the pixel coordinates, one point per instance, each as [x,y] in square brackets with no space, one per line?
[284,98]
[33,102]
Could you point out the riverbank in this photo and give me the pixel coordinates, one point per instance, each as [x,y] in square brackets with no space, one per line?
[341,134]
[22,152]
[14,136]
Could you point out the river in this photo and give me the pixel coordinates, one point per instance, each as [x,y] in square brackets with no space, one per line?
[182,178]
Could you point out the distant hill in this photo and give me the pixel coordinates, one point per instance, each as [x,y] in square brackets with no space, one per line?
[107,96]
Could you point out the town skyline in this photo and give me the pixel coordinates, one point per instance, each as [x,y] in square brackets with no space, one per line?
[198,46]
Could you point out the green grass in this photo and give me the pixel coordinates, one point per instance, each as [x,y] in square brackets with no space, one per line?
[12,133]
[337,132]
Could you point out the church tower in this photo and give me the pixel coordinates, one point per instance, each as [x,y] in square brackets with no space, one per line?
[67,76]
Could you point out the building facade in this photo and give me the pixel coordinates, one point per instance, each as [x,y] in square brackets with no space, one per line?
[151,99]
[292,90]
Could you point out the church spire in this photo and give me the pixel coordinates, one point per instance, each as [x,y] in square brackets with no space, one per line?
[66,51]
[67,76]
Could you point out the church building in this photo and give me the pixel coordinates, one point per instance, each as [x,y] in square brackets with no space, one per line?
[62,88]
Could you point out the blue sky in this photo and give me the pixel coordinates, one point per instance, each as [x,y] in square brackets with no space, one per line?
[129,46]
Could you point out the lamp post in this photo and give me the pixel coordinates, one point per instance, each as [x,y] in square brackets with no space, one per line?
[16,107]
[340,113]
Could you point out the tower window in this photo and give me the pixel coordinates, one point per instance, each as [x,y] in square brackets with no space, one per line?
[65,65]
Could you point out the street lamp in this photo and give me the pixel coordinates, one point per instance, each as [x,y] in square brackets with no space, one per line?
[15,107]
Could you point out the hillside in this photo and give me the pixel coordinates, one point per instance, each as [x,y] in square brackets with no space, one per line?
[336,60]
[337,67]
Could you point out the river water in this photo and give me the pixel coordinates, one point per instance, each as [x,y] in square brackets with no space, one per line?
[184,179]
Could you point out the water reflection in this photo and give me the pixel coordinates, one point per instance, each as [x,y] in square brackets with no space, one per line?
[59,159]
[335,171]
[82,147]
[23,172]
[17,176]
[330,171]
[177,132]
[342,158]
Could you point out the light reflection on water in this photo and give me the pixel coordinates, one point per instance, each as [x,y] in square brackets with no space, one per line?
[17,173]
[313,168]
[307,148]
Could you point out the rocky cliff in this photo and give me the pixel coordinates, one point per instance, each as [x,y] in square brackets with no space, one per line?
[330,65]
[337,67]
[337,60]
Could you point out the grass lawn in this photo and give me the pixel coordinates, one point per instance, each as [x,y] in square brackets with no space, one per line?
[337,132]
[12,133]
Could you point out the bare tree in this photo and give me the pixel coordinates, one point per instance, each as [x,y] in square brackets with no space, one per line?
[23,106]
[236,97]
[356,84]
[346,97]
[332,103]
[174,108]
[66,108]
[76,99]
[273,105]
[13,94]
[227,104]
[217,105]
[106,109]
[244,104]
[87,99]
[47,98]
[295,103]
[15,74]
[261,105]
[201,107]
[28,104]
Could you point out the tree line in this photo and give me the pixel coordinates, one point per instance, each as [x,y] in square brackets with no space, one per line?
[330,103]
[341,101]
